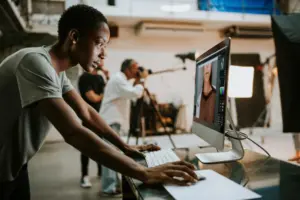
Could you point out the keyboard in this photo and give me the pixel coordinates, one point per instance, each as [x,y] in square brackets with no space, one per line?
[160,157]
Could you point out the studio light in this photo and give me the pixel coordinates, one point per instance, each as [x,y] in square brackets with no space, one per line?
[240,81]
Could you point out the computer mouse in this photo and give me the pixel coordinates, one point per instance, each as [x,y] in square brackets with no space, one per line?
[199,176]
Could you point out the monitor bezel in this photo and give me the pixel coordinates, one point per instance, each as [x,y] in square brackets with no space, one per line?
[212,52]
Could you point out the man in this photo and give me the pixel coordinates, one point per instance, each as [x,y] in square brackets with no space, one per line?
[91,86]
[34,91]
[207,98]
[115,111]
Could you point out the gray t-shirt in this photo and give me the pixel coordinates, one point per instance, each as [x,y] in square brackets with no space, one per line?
[26,77]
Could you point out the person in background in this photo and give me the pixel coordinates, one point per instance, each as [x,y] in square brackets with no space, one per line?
[91,87]
[115,111]
[35,92]
[296,139]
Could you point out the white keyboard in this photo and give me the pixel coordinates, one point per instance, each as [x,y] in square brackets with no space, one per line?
[160,157]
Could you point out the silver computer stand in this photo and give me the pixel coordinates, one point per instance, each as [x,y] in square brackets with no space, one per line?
[236,153]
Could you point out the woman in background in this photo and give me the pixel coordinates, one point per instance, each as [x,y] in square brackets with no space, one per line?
[207,98]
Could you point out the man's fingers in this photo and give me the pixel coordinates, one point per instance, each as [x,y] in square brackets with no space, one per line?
[191,166]
[153,147]
[180,174]
[135,154]
[186,169]
[173,181]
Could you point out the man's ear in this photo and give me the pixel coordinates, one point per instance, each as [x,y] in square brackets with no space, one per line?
[74,36]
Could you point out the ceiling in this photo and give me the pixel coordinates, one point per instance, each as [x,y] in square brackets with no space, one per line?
[9,18]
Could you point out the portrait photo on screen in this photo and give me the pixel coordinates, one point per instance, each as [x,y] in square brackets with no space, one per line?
[209,93]
[206,98]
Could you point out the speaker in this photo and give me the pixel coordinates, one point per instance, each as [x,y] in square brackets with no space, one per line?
[114,31]
[111,2]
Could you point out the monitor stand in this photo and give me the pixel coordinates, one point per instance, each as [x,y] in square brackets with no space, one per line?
[234,154]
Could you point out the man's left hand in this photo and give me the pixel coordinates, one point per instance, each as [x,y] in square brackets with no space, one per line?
[135,151]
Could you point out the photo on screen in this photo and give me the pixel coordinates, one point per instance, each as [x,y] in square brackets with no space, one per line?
[210,93]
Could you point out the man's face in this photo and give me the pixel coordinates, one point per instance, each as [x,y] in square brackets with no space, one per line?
[207,72]
[133,69]
[90,50]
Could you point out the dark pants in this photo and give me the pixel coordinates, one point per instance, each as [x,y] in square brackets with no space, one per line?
[84,166]
[16,189]
[85,163]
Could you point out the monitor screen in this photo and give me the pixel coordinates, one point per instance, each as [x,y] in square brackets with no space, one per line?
[210,91]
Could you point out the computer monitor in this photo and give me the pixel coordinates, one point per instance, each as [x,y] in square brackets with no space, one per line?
[210,100]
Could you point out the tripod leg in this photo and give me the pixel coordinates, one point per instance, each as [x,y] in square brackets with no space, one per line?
[128,137]
[160,117]
[143,129]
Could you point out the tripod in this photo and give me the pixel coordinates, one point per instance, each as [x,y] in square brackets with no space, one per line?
[141,119]
[265,115]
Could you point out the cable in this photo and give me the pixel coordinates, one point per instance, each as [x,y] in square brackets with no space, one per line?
[244,137]
[260,147]
[237,138]
[247,137]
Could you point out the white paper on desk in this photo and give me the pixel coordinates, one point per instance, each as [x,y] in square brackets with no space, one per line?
[214,187]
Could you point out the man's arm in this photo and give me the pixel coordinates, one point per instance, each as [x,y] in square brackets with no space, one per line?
[125,89]
[92,119]
[61,116]
[93,97]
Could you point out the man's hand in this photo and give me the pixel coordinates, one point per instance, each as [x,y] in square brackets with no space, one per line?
[166,173]
[135,151]
[148,147]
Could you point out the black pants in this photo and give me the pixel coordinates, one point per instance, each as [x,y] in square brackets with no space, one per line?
[85,163]
[16,189]
[84,166]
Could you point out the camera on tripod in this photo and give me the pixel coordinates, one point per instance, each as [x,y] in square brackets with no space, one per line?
[143,72]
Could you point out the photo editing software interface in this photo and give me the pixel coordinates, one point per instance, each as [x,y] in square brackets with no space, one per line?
[210,91]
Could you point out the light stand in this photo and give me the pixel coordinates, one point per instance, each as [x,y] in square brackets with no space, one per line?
[265,115]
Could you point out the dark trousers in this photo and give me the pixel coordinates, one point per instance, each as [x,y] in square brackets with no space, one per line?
[16,189]
[85,164]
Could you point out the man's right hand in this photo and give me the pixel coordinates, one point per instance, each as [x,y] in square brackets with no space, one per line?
[166,173]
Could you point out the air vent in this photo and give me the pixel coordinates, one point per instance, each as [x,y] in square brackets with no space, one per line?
[167,29]
[248,32]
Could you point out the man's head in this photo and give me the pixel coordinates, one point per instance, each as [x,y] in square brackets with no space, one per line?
[207,73]
[85,33]
[130,68]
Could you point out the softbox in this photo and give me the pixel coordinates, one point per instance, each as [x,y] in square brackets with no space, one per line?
[286,32]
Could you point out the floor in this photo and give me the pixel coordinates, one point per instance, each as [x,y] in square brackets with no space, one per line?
[55,170]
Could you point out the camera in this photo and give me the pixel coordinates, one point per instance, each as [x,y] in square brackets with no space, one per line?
[143,72]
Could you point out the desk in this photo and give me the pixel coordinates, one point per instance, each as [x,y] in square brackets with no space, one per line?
[271,178]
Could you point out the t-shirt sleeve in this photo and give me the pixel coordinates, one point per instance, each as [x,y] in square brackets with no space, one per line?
[37,79]
[66,84]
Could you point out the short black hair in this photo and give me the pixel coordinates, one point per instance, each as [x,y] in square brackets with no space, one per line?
[80,17]
[126,64]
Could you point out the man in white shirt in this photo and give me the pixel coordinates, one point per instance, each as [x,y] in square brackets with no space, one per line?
[115,110]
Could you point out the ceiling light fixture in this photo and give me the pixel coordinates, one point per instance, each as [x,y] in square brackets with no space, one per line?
[176,8]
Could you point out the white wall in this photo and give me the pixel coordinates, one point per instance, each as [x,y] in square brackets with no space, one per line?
[158,54]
